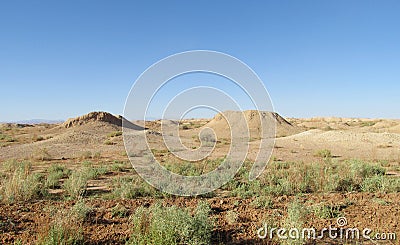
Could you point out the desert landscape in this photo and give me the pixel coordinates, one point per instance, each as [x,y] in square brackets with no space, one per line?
[73,182]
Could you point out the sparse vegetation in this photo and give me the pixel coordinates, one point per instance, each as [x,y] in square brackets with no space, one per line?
[283,178]
[327,211]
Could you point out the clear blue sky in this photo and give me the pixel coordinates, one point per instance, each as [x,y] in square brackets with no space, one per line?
[60,59]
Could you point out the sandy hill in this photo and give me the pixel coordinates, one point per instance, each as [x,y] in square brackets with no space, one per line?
[255,120]
[93,117]
[95,131]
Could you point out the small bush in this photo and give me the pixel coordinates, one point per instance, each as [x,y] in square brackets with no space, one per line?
[85,155]
[75,185]
[41,154]
[119,211]
[171,225]
[21,184]
[80,211]
[108,142]
[66,228]
[62,235]
[296,214]
[55,173]
[208,138]
[115,134]
[325,153]
[37,138]
[231,217]
[129,188]
[262,202]
[97,155]
[327,211]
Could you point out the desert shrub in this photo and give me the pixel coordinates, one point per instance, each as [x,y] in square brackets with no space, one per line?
[117,166]
[129,188]
[367,124]
[54,174]
[85,155]
[66,228]
[41,154]
[95,172]
[363,169]
[296,215]
[37,138]
[62,235]
[247,189]
[186,168]
[372,184]
[262,202]
[108,142]
[7,138]
[325,153]
[80,211]
[20,184]
[207,138]
[75,185]
[96,155]
[327,211]
[231,217]
[171,225]
[115,134]
[119,211]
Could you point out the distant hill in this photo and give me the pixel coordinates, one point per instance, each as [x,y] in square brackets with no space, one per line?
[36,121]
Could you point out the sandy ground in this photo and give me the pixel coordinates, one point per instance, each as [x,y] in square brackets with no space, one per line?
[298,140]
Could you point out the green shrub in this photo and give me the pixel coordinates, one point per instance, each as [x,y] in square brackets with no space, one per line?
[75,185]
[62,235]
[55,173]
[85,155]
[80,211]
[296,215]
[66,227]
[327,211]
[20,184]
[129,188]
[171,225]
[262,202]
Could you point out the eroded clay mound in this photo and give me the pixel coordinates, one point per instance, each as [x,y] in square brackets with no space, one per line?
[255,120]
[93,117]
